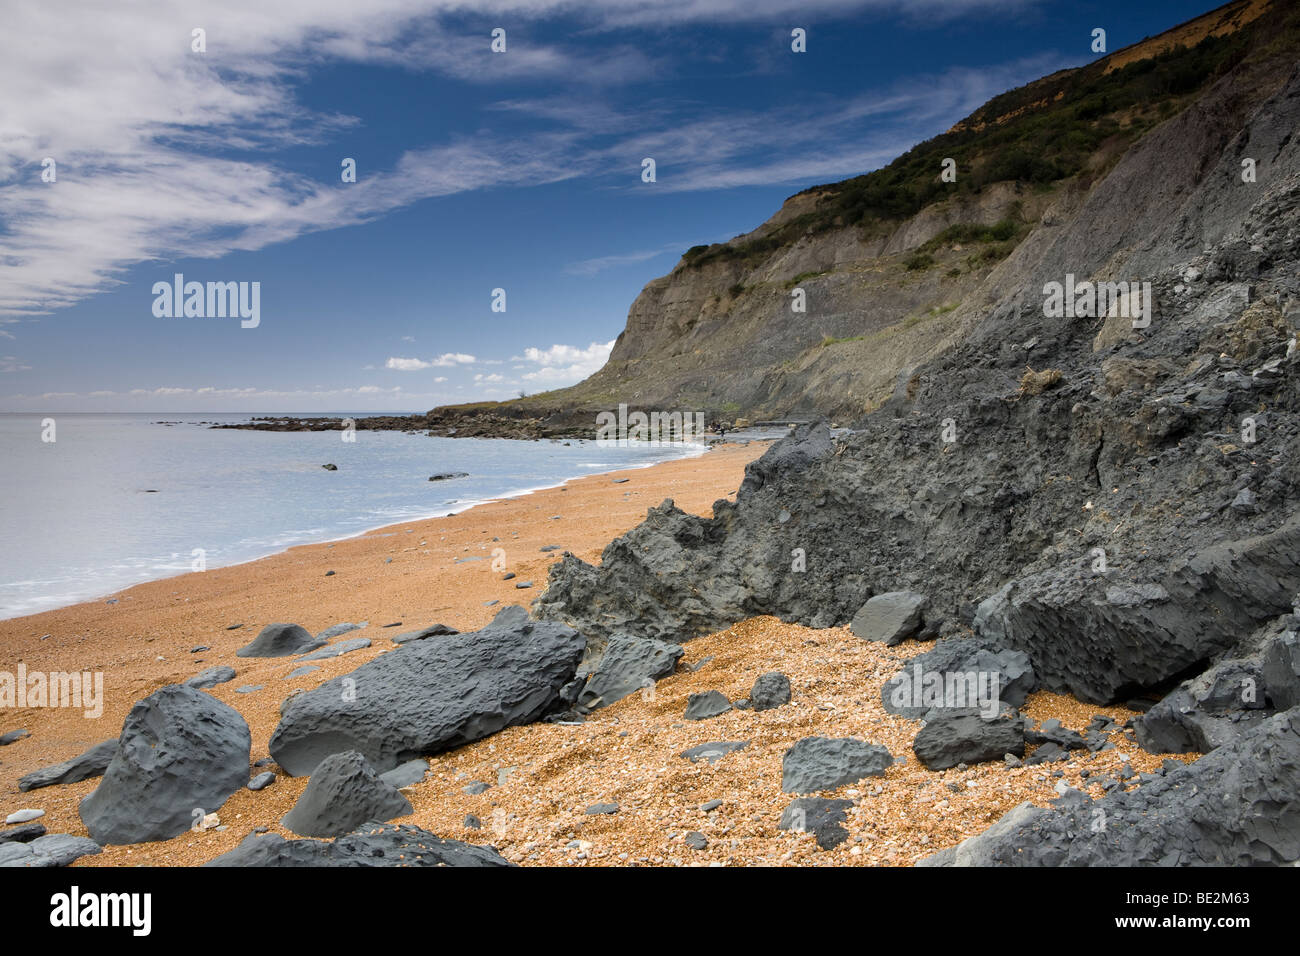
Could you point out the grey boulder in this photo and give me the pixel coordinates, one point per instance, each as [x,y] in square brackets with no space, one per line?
[891,617]
[958,674]
[1281,670]
[180,751]
[1203,713]
[627,665]
[343,793]
[948,740]
[431,695]
[709,704]
[770,690]
[824,763]
[280,640]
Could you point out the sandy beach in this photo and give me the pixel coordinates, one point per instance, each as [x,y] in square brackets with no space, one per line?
[543,776]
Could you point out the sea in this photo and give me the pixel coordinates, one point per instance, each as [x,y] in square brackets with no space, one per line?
[117,499]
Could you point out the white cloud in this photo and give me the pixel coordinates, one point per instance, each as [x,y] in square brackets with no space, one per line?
[442,361]
[9,363]
[562,365]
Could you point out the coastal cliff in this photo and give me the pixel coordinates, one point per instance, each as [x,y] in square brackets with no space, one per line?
[896,266]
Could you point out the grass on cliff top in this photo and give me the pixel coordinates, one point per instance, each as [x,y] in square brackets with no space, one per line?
[1039,134]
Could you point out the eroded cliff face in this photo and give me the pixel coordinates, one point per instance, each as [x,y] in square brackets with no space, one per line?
[722,332]
[725,336]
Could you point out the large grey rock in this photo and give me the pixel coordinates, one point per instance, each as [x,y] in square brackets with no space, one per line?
[280,640]
[958,674]
[770,690]
[211,677]
[627,665]
[92,763]
[824,763]
[1212,709]
[1102,638]
[891,617]
[1281,670]
[373,844]
[180,751]
[1237,806]
[344,792]
[55,849]
[337,650]
[946,741]
[431,695]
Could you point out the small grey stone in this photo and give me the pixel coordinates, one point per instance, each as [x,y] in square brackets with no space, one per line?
[713,752]
[261,781]
[407,774]
[211,677]
[709,704]
[337,650]
[598,809]
[22,834]
[696,840]
[476,787]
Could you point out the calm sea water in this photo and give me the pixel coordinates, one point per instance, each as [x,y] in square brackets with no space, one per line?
[118,499]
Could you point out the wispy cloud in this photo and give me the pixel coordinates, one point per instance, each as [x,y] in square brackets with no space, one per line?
[590,267]
[141,127]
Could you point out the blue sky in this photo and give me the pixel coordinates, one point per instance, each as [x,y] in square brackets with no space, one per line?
[475,171]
